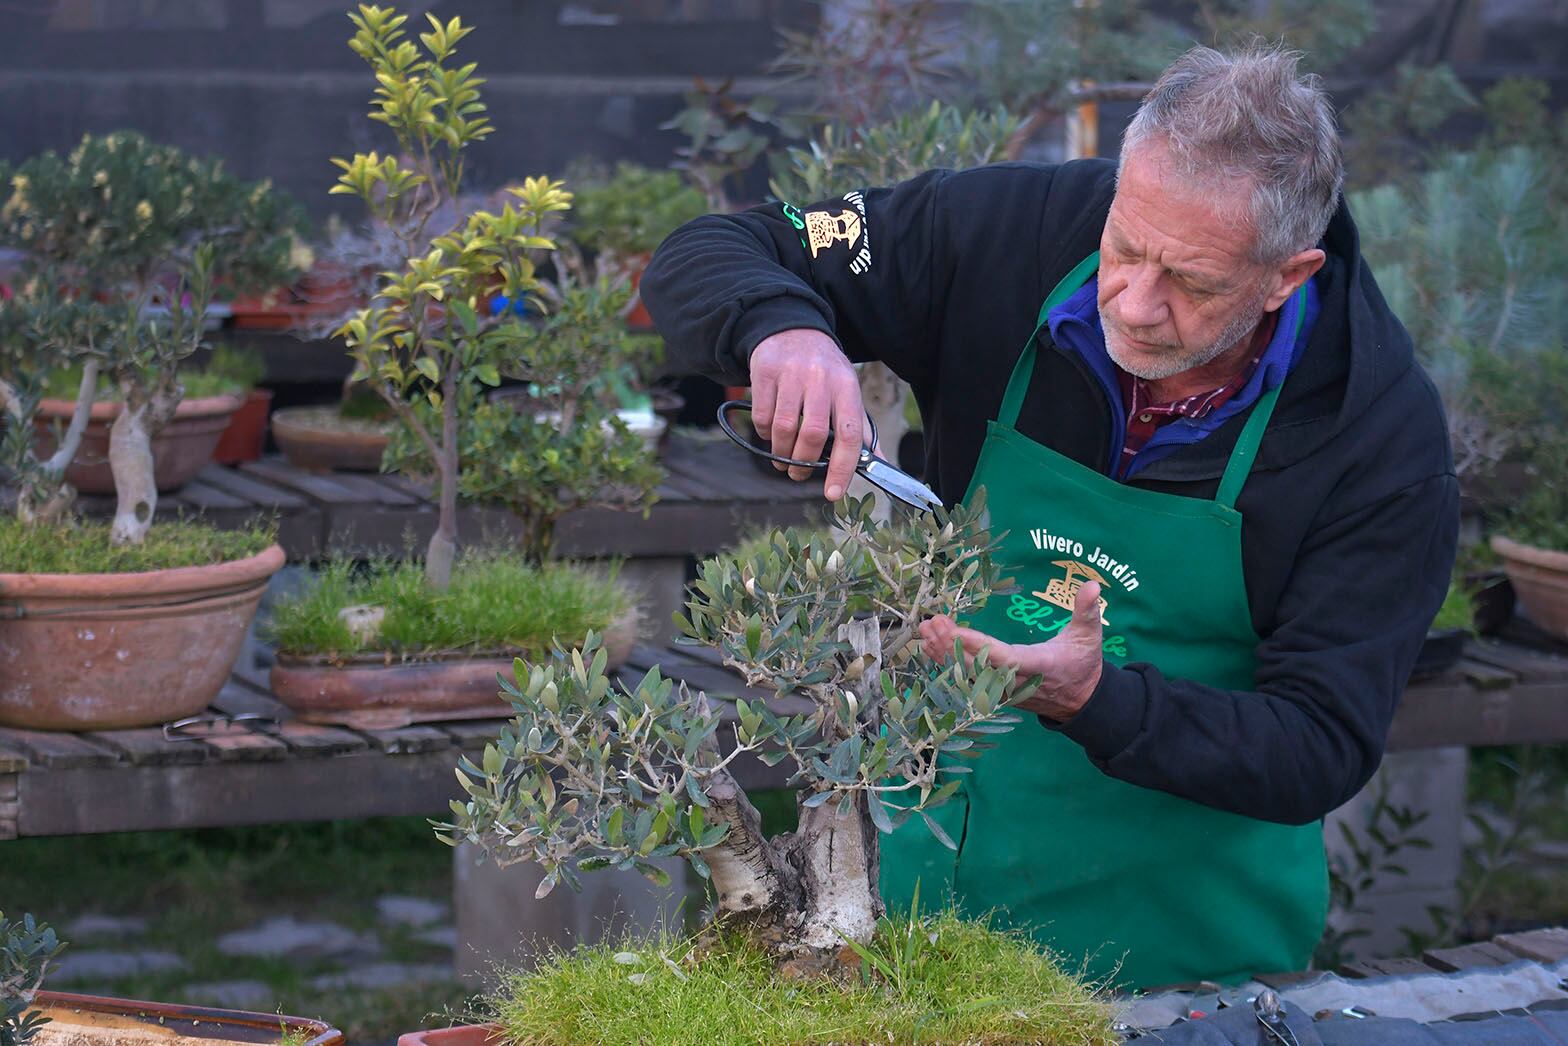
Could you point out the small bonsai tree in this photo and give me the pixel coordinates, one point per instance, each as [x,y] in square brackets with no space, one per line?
[554,442]
[593,774]
[26,950]
[125,242]
[427,336]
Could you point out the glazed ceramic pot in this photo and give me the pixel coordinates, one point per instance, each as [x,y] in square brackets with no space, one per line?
[376,691]
[1540,580]
[108,651]
[180,450]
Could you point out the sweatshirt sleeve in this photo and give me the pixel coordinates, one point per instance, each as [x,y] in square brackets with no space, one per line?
[1351,622]
[860,268]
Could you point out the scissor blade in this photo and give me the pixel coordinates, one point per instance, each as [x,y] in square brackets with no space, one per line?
[901,485]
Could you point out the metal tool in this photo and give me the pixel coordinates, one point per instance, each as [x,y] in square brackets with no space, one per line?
[877,471]
[1273,1022]
[182,729]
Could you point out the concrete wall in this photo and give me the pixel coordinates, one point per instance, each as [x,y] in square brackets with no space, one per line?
[271,85]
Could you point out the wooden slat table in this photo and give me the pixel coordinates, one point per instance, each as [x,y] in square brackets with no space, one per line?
[712,496]
[256,773]
[1499,693]
[131,780]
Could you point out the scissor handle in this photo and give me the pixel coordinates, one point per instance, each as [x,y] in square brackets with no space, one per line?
[729,430]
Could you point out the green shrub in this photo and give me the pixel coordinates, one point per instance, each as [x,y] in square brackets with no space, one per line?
[26,949]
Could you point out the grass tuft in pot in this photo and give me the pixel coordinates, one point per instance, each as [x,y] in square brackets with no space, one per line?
[592,774]
[124,242]
[494,603]
[924,978]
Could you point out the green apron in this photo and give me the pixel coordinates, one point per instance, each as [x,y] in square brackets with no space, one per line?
[1142,887]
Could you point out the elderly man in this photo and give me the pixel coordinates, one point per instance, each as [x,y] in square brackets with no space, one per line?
[1226,487]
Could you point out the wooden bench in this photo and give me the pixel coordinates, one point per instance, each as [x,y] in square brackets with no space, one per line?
[135,780]
[263,772]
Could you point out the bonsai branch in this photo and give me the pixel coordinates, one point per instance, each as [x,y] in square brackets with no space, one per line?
[72,439]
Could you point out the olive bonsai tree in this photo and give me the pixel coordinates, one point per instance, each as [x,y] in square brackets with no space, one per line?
[592,774]
[125,242]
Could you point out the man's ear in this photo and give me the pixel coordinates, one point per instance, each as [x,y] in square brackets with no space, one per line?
[1291,274]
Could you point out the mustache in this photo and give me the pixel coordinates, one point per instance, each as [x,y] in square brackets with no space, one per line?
[1107,320]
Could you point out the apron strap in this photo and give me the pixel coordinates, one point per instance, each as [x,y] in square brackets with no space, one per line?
[1023,370]
[1246,450]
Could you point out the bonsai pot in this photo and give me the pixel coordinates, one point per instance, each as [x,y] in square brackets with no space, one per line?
[106,651]
[462,1035]
[318,439]
[376,691]
[182,449]
[1540,580]
[89,1020]
[246,436]
[667,404]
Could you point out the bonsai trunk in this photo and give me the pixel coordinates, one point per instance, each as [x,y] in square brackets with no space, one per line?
[442,550]
[809,890]
[45,499]
[130,457]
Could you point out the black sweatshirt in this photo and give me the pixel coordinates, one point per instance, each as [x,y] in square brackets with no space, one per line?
[1351,511]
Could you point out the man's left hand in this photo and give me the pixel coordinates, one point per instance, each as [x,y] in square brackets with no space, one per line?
[1069,663]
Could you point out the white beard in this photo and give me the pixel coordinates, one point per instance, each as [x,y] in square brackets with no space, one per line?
[1245,322]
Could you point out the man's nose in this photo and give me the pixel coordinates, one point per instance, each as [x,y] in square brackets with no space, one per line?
[1142,302]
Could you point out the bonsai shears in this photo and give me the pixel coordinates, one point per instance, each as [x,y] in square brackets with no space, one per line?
[877,471]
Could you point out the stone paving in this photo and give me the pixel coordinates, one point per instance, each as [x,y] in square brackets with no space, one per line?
[106,949]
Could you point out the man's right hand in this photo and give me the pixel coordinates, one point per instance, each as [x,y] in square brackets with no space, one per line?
[802,388]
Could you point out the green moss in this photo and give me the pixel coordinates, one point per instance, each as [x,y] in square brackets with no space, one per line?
[973,985]
[64,385]
[496,601]
[83,547]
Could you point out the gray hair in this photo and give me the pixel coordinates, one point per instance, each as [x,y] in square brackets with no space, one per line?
[1250,115]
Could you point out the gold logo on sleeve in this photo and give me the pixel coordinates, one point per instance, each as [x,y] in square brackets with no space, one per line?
[825,228]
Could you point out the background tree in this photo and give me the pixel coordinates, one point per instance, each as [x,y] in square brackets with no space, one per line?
[425,337]
[124,244]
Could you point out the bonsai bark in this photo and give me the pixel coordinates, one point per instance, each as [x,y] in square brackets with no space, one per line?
[130,457]
[46,499]
[808,891]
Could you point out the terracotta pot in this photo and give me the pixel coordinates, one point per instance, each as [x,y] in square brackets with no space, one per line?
[376,692]
[1540,579]
[181,450]
[317,440]
[90,1020]
[638,318]
[462,1035]
[667,404]
[106,651]
[246,436]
